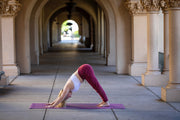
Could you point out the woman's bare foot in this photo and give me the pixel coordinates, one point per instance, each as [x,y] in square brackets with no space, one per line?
[104,104]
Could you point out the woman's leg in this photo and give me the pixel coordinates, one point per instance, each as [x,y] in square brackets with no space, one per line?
[87,72]
[95,84]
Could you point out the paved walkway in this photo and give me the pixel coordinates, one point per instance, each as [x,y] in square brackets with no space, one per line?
[43,85]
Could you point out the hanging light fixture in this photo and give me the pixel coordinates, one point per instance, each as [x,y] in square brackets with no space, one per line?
[70,5]
[69,24]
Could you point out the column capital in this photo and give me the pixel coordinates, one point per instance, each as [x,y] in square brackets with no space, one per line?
[168,4]
[10,7]
[151,5]
[135,7]
[164,5]
[174,3]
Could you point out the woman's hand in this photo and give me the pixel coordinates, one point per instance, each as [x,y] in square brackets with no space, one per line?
[51,103]
[53,106]
[49,106]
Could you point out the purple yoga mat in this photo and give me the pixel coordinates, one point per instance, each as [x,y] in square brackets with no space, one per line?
[77,106]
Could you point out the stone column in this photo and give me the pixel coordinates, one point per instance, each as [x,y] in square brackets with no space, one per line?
[102,33]
[99,30]
[54,32]
[139,53]
[92,34]
[166,43]
[171,92]
[166,37]
[40,35]
[8,38]
[58,31]
[153,76]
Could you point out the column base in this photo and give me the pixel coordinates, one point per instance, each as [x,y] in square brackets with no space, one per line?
[137,69]
[170,94]
[166,72]
[35,58]
[155,80]
[4,81]
[11,70]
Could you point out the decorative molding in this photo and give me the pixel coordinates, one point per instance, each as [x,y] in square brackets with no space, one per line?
[9,7]
[3,4]
[151,5]
[135,7]
[144,6]
[174,3]
[164,5]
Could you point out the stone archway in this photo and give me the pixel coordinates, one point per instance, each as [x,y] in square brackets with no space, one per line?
[110,23]
[23,36]
[78,15]
[121,29]
[115,24]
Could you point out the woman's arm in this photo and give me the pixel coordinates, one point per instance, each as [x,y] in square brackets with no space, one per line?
[63,96]
[60,92]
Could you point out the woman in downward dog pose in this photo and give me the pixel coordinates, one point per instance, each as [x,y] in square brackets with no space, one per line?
[85,71]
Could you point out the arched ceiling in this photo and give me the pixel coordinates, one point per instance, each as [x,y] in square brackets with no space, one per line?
[76,9]
[85,7]
[89,6]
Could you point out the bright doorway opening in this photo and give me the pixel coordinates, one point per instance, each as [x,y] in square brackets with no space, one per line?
[70,32]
